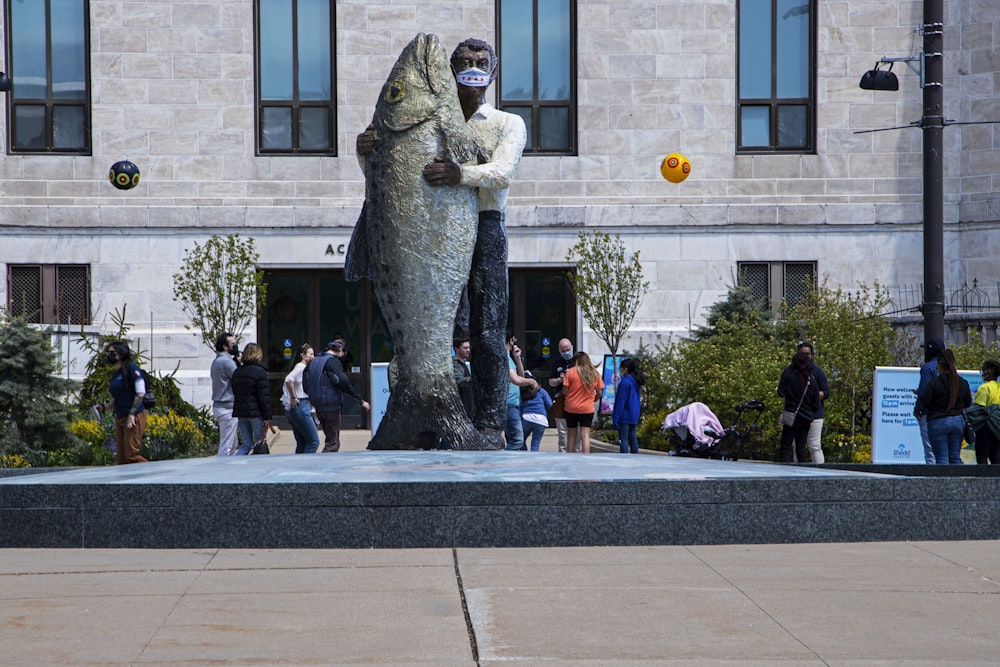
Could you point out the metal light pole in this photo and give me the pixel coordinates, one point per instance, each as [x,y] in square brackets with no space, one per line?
[932,123]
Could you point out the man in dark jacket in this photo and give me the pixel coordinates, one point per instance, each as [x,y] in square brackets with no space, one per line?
[325,382]
[928,371]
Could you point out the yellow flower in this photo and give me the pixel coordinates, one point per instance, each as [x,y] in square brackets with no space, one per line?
[13,461]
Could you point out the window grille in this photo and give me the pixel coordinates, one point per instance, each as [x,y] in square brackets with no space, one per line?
[24,292]
[72,294]
[799,279]
[757,278]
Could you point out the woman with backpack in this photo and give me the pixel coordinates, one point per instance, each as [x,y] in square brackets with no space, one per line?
[127,387]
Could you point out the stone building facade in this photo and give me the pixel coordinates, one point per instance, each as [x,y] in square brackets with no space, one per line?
[173,87]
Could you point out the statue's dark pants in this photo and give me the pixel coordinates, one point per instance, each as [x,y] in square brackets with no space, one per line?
[487,321]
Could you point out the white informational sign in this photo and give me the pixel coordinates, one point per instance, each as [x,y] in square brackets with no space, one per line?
[895,431]
[379,382]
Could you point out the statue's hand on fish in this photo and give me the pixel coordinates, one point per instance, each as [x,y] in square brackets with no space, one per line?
[442,172]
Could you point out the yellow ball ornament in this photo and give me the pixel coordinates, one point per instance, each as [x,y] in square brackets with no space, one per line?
[675,167]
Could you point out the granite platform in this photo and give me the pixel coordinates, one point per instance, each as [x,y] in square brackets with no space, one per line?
[483,499]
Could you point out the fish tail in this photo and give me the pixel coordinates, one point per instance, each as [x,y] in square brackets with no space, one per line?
[428,420]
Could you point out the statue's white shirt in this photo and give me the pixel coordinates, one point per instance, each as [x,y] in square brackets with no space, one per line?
[502,137]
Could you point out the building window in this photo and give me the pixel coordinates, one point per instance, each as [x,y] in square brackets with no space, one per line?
[776,87]
[771,283]
[295,84]
[48,55]
[49,293]
[538,71]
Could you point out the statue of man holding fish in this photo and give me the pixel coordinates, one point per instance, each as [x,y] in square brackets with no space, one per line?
[438,161]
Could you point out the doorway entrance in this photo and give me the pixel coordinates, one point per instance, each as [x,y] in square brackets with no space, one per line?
[315,305]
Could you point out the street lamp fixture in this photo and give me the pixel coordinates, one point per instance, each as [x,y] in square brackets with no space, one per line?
[6,85]
[879,79]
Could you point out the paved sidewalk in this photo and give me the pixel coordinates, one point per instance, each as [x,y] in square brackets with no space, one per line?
[928,603]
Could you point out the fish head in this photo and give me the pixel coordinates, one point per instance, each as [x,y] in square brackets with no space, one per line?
[418,85]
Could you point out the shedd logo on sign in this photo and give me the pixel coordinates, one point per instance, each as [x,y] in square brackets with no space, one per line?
[901,452]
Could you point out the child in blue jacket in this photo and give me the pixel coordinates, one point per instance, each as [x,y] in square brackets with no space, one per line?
[534,414]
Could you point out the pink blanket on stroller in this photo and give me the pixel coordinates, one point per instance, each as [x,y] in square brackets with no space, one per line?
[695,418]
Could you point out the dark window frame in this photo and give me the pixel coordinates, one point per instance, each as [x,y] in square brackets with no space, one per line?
[50,297]
[48,102]
[773,102]
[295,104]
[536,105]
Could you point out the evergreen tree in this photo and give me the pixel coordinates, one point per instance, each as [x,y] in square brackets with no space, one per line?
[34,414]
[739,304]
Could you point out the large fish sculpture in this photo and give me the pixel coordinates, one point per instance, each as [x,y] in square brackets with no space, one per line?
[415,243]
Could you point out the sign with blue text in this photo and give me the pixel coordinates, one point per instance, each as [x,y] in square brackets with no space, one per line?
[380,392]
[895,431]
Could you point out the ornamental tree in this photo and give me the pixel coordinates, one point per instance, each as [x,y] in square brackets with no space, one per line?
[220,286]
[609,285]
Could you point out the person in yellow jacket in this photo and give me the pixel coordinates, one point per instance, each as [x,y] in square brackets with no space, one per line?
[984,415]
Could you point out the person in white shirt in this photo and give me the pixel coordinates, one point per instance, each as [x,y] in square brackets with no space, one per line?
[298,410]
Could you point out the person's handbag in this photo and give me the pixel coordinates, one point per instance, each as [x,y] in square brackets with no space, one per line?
[969,433]
[559,407]
[260,447]
[787,417]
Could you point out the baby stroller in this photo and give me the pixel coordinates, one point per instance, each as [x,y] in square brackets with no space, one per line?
[695,430]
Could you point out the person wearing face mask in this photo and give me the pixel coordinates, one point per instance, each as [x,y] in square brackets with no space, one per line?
[483,313]
[984,415]
[557,375]
[223,367]
[127,389]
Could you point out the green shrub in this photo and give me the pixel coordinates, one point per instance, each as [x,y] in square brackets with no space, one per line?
[171,436]
[741,356]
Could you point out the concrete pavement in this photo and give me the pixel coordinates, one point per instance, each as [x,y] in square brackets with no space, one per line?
[928,603]
[905,603]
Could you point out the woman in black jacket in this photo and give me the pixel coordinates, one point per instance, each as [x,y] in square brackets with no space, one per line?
[944,401]
[801,396]
[251,399]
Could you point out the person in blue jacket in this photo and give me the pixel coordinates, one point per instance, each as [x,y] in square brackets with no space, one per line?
[535,406]
[625,416]
[932,350]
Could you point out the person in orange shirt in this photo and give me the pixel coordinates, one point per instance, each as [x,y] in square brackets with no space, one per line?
[582,387]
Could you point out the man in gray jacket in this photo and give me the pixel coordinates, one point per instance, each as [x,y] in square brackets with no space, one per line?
[223,367]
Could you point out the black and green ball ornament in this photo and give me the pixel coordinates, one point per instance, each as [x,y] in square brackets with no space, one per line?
[124,175]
